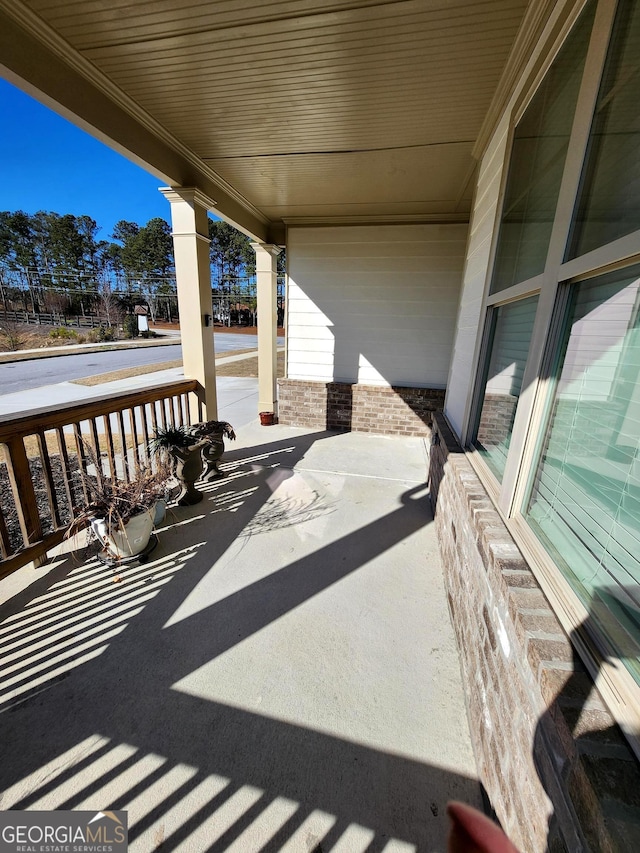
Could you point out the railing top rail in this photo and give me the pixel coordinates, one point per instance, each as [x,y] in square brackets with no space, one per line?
[26,423]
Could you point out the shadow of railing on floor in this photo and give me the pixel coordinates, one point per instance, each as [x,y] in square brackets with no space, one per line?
[105,724]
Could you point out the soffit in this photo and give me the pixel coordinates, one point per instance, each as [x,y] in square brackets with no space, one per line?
[313,108]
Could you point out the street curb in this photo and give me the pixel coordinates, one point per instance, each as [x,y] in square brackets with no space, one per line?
[78,349]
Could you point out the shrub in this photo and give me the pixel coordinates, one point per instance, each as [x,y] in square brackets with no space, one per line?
[130,326]
[101,334]
[106,333]
[63,334]
[13,336]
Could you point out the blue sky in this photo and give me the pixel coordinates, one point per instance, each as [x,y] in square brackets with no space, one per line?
[47,163]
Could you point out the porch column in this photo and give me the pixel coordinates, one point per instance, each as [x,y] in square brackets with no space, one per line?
[267,299]
[190,232]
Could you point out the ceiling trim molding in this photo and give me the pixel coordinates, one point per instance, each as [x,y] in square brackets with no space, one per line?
[551,15]
[380,219]
[38,29]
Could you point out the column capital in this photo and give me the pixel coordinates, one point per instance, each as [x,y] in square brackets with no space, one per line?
[190,195]
[270,248]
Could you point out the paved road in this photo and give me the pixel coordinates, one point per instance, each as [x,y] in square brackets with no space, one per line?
[24,375]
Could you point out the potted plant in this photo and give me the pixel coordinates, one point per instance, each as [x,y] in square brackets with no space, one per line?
[183,449]
[213,433]
[192,449]
[121,513]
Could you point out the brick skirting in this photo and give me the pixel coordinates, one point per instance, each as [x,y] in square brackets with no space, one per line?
[361,408]
[556,768]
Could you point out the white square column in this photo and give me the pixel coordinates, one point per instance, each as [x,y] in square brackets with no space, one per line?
[267,299]
[190,232]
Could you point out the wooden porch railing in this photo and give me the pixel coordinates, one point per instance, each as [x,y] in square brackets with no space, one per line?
[46,453]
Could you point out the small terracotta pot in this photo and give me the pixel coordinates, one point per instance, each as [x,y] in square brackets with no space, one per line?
[267,418]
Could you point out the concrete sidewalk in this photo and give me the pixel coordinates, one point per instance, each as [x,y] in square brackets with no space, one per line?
[237,396]
[282,676]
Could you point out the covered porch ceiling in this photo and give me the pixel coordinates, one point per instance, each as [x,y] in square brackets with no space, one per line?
[313,111]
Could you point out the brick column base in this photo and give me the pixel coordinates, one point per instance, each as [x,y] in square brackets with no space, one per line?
[361,408]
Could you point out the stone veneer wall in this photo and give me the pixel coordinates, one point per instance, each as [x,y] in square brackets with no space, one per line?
[557,770]
[360,408]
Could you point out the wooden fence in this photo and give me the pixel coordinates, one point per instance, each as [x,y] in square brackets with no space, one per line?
[46,454]
[44,318]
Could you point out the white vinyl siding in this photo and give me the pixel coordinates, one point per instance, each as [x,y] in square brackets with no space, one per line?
[462,372]
[373,304]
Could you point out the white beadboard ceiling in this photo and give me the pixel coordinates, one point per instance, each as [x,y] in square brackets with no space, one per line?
[315,109]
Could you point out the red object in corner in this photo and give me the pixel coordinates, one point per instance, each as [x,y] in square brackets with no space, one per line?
[473,832]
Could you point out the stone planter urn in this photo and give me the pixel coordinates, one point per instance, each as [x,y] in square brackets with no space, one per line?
[213,434]
[188,468]
[191,449]
[212,452]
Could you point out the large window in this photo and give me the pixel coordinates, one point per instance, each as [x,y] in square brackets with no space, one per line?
[540,144]
[609,201]
[562,313]
[585,500]
[511,327]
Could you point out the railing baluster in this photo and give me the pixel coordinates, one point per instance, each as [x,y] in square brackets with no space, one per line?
[163,414]
[172,414]
[23,492]
[200,408]
[123,442]
[82,460]
[187,410]
[145,431]
[134,437]
[49,479]
[93,430]
[66,469]
[111,456]
[5,544]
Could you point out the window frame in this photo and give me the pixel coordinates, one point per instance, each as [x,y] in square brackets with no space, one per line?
[553,287]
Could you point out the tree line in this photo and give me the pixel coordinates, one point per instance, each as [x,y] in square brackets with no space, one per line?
[57,263]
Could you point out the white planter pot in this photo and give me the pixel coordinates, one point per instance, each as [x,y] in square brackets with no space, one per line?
[125,541]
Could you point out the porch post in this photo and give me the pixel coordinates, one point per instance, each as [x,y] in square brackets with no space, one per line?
[267,299]
[190,232]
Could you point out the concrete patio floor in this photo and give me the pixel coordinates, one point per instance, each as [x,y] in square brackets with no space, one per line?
[281,676]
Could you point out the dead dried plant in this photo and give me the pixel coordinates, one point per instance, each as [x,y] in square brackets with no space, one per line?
[118,500]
